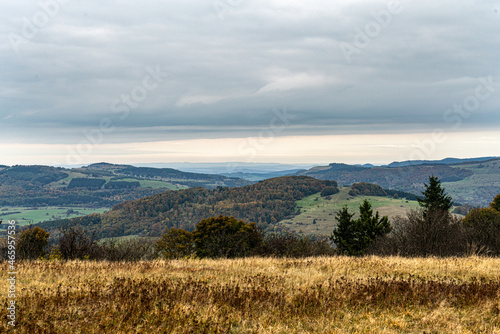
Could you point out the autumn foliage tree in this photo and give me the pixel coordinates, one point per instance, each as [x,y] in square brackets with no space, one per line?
[483,227]
[32,242]
[176,243]
[225,237]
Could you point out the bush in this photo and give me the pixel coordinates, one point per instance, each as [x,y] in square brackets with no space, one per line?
[129,250]
[292,245]
[225,237]
[75,243]
[483,227]
[31,243]
[176,243]
[421,233]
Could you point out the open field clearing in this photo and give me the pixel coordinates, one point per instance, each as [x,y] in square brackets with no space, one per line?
[323,211]
[27,215]
[257,295]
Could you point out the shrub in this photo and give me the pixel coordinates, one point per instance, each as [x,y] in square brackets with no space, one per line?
[225,237]
[176,243]
[436,233]
[75,243]
[292,245]
[496,203]
[483,227]
[135,249]
[32,242]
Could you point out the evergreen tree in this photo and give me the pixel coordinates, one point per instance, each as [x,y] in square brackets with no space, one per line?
[345,232]
[353,237]
[371,226]
[434,197]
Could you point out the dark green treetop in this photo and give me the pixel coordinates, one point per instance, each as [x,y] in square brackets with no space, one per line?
[435,197]
[353,237]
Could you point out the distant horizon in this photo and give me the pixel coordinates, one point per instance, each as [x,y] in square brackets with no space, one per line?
[377,149]
[235,164]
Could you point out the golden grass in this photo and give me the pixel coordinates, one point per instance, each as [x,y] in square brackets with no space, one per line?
[256,295]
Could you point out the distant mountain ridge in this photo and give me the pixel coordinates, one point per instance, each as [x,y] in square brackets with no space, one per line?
[446,161]
[96,185]
[475,181]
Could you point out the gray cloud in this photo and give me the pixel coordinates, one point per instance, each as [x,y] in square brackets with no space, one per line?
[226,76]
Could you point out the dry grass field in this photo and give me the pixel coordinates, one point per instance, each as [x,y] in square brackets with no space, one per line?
[256,295]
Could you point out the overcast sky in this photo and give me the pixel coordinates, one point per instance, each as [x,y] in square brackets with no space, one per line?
[248,80]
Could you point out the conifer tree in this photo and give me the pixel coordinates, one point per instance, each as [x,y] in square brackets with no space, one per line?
[353,237]
[434,197]
[345,233]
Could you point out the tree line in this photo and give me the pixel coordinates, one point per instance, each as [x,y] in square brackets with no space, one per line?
[430,231]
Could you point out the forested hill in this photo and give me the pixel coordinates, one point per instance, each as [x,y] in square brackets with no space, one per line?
[387,177]
[474,183]
[96,185]
[186,178]
[266,203]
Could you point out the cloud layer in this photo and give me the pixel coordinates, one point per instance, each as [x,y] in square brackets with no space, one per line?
[68,68]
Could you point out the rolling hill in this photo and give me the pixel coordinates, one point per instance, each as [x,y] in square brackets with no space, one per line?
[39,193]
[289,203]
[447,161]
[266,203]
[317,214]
[97,185]
[474,183]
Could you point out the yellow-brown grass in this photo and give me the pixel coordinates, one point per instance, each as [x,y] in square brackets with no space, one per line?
[256,295]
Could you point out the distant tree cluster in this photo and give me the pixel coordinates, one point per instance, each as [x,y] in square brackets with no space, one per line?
[400,194]
[328,191]
[366,189]
[31,175]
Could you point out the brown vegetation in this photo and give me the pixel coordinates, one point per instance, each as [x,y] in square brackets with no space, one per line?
[257,295]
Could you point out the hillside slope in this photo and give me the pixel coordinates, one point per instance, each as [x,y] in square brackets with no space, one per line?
[473,183]
[317,214]
[265,203]
[97,185]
